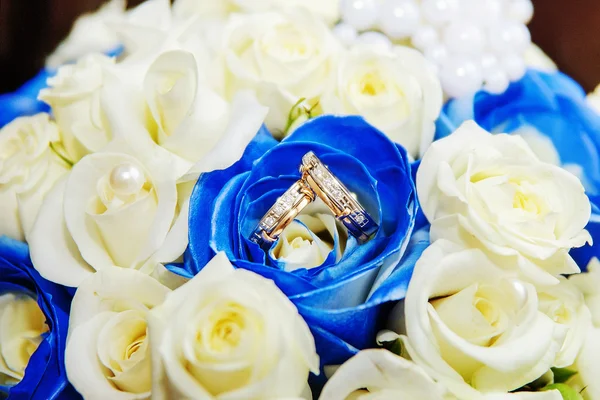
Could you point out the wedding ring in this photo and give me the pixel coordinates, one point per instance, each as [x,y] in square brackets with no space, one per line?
[283,212]
[338,198]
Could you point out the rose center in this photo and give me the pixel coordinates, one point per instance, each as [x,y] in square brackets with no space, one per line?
[371,84]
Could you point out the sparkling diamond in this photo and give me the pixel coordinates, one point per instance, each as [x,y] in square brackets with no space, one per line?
[269,221]
[279,209]
[286,200]
[360,219]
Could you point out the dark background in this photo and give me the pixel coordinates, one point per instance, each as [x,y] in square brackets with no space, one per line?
[568,30]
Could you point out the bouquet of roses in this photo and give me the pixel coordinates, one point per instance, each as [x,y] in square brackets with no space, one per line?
[284,199]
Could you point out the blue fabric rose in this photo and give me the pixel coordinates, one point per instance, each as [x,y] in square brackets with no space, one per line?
[45,376]
[341,298]
[23,101]
[551,112]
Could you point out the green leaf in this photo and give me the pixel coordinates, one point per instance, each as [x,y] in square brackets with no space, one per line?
[567,392]
[561,375]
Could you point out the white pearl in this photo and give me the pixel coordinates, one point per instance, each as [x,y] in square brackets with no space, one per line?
[520,292]
[510,37]
[374,40]
[483,12]
[399,18]
[126,179]
[439,11]
[496,81]
[425,37]
[437,54]
[464,38]
[521,11]
[360,14]
[514,66]
[461,77]
[345,33]
[488,62]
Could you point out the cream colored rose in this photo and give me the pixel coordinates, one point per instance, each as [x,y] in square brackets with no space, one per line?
[108,351]
[473,326]
[74,95]
[229,334]
[536,58]
[491,192]
[23,325]
[116,207]
[29,167]
[309,240]
[282,56]
[594,99]
[328,10]
[395,90]
[381,375]
[91,33]
[565,304]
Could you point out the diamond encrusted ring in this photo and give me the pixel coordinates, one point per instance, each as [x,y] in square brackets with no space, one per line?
[283,212]
[338,198]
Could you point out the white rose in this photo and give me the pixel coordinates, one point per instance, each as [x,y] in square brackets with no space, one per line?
[394,89]
[381,375]
[594,99]
[91,33]
[74,95]
[116,207]
[282,56]
[473,326]
[536,58]
[108,351]
[310,239]
[229,334]
[23,325]
[491,192]
[328,10]
[589,284]
[565,304]
[29,167]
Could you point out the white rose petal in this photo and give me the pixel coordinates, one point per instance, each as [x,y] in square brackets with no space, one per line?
[594,99]
[91,33]
[22,325]
[380,374]
[393,89]
[108,354]
[29,168]
[473,326]
[491,192]
[229,334]
[587,366]
[565,304]
[74,95]
[99,218]
[536,58]
[589,284]
[283,57]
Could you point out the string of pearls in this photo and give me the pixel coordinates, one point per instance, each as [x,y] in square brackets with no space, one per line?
[474,44]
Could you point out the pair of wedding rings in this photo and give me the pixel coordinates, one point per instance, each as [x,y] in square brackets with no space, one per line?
[316,180]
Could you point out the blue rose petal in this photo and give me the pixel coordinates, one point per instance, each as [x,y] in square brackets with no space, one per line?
[334,297]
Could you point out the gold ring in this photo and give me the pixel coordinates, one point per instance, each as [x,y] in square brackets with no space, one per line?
[338,198]
[282,213]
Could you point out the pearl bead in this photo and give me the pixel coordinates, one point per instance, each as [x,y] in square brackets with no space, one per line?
[126,179]
[345,34]
[461,77]
[514,66]
[488,62]
[520,292]
[438,12]
[425,37]
[374,40]
[360,14]
[437,54]
[481,11]
[521,11]
[509,38]
[464,38]
[399,18]
[496,81]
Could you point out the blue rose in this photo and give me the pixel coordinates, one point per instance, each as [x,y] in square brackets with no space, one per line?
[341,297]
[550,111]
[24,101]
[45,376]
